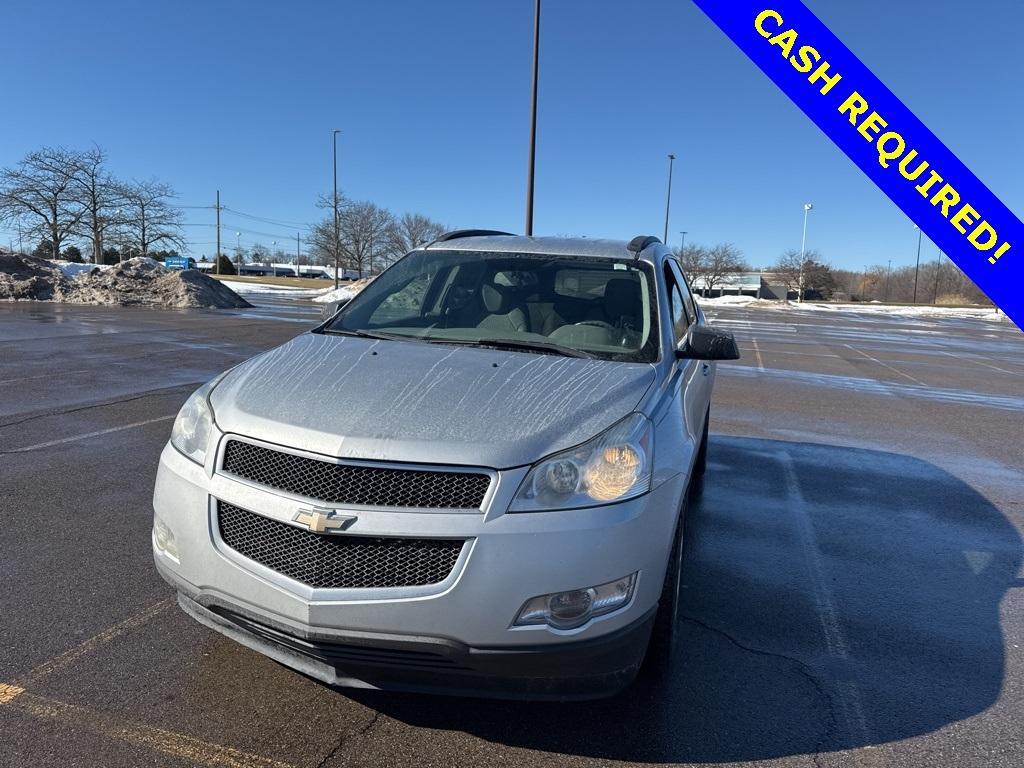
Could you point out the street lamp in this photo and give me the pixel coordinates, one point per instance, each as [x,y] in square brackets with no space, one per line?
[808,207]
[273,264]
[938,270]
[238,251]
[668,196]
[917,266]
[337,234]
[533,122]
[682,242]
[888,272]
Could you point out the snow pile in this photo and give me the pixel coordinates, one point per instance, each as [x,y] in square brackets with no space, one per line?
[26,278]
[140,281]
[344,292]
[74,268]
[736,301]
[268,289]
[870,307]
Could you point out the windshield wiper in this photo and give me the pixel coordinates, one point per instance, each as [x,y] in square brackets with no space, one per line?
[369,334]
[547,347]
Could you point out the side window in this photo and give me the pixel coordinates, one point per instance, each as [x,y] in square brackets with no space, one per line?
[691,307]
[677,306]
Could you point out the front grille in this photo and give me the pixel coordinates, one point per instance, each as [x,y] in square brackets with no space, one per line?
[355,483]
[336,561]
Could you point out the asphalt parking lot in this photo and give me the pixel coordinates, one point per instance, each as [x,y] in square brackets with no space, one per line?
[853,573]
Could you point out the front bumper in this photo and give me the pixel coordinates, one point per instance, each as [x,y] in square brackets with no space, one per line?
[580,670]
[464,621]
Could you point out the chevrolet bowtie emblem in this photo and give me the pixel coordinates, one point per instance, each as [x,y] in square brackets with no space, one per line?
[323,520]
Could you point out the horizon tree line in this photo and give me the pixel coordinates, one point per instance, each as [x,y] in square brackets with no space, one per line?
[61,197]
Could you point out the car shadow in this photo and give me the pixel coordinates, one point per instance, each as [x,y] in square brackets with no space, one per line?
[834,598]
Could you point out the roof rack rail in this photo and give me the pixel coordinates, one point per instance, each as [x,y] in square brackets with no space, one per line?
[456,234]
[640,242]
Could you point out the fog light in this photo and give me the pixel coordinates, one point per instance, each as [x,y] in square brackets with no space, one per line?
[570,609]
[575,607]
[164,539]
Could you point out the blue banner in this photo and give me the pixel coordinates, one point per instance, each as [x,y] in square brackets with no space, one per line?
[895,149]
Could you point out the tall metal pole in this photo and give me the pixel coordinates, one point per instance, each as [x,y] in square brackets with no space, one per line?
[337,230]
[668,196]
[682,242]
[808,207]
[917,267]
[888,272]
[217,257]
[938,269]
[531,167]
[298,268]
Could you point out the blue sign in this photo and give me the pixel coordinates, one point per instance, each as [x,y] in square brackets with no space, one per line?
[884,138]
[177,262]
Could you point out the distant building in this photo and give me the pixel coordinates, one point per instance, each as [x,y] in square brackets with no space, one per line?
[760,285]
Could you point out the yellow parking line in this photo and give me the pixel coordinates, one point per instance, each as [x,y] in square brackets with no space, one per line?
[111,726]
[70,657]
[9,692]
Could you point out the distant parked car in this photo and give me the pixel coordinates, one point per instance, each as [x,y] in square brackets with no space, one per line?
[471,478]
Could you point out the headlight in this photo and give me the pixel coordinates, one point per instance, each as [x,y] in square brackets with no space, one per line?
[191,431]
[615,465]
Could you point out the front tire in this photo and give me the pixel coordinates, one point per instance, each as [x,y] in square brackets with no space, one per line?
[665,634]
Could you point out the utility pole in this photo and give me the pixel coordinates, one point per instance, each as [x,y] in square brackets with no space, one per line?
[888,272]
[298,268]
[337,229]
[938,269]
[668,196]
[808,207]
[216,258]
[917,267]
[682,242]
[533,122]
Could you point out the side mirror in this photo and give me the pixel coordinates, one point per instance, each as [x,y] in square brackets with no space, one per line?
[331,309]
[706,343]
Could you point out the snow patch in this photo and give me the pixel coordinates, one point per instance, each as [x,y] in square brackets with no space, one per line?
[344,292]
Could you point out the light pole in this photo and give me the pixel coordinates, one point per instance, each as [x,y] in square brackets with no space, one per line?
[337,233]
[298,254]
[682,243]
[273,264]
[531,165]
[668,196]
[238,252]
[808,207]
[888,272]
[917,266]
[938,269]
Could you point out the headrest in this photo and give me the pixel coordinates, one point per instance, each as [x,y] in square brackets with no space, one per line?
[622,298]
[498,299]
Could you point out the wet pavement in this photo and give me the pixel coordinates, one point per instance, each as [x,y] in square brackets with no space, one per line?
[853,573]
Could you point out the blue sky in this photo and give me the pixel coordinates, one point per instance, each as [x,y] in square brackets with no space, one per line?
[432,99]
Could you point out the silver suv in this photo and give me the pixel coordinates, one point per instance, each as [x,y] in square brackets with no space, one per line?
[471,478]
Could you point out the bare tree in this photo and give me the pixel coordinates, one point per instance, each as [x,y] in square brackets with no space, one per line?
[149,217]
[364,234]
[721,260]
[40,193]
[99,195]
[693,259]
[817,275]
[411,230]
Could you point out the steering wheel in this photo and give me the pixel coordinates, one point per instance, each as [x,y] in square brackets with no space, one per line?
[597,324]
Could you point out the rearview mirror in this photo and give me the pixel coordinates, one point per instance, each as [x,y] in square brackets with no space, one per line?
[705,343]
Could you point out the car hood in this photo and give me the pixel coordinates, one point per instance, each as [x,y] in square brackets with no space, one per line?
[417,402]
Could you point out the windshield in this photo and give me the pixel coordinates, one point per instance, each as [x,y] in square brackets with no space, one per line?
[572,305]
